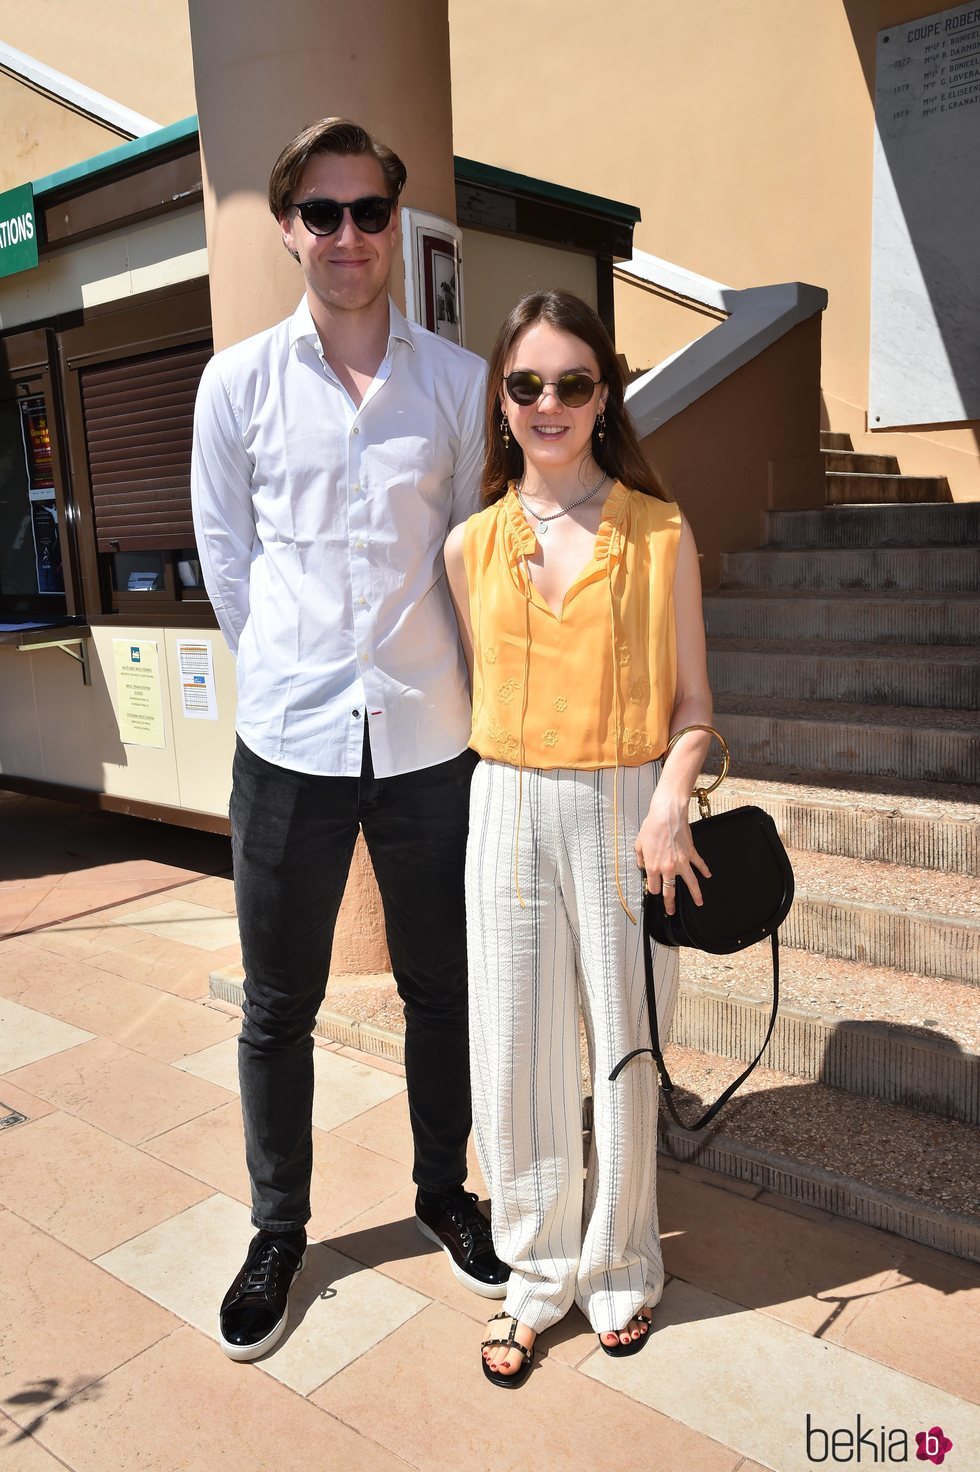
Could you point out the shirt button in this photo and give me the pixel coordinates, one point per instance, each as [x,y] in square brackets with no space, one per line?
[356,714]
[362,603]
[356,486]
[355,430]
[360,546]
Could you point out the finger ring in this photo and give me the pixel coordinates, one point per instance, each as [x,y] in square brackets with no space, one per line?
[668,883]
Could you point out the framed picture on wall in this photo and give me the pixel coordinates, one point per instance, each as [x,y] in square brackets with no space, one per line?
[433,274]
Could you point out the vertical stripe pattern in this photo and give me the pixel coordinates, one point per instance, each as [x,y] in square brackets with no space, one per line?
[593,1240]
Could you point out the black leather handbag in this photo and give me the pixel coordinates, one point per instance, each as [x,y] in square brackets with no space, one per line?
[746,899]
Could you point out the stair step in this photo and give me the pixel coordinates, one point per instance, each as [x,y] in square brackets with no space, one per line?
[858,1157]
[952,523]
[855,460]
[888,1035]
[859,673]
[850,487]
[891,1168]
[887,915]
[877,617]
[832,440]
[908,569]
[804,737]
[896,823]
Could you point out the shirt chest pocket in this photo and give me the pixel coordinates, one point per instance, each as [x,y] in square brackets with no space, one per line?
[413,475]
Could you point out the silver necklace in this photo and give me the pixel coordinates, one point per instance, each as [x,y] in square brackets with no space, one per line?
[542,521]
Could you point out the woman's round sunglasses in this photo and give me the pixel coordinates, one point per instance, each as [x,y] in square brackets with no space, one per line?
[573,389]
[371,213]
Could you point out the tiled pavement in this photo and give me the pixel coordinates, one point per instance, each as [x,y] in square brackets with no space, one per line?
[123,1216]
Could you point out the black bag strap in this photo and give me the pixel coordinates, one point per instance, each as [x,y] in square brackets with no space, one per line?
[657,1050]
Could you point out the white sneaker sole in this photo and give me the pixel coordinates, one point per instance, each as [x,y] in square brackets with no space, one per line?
[485,1290]
[245,1352]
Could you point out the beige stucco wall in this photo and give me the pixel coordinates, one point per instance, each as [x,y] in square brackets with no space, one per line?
[137,54]
[652,324]
[41,135]
[54,728]
[743,129]
[498,270]
[747,445]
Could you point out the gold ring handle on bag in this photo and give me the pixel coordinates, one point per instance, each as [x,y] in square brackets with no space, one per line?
[702,793]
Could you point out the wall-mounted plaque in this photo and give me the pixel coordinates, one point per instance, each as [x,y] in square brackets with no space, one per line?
[925,272]
[433,273]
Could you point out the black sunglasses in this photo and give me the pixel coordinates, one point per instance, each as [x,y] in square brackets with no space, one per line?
[371,213]
[574,389]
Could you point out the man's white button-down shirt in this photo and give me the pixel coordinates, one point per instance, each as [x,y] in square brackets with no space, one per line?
[320,528]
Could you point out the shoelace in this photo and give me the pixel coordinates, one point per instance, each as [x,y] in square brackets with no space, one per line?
[263,1272]
[473,1225]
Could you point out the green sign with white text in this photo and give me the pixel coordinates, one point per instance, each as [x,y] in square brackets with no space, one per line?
[18,233]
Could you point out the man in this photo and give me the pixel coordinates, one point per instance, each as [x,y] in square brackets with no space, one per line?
[332,454]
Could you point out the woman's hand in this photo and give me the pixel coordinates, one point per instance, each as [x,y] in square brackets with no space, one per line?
[665,849]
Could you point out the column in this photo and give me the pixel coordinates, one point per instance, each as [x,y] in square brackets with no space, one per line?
[262,72]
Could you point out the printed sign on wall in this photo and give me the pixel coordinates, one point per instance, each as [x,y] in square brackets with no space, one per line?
[139,707]
[18,230]
[198,700]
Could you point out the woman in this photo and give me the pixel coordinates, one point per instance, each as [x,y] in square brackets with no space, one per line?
[579,602]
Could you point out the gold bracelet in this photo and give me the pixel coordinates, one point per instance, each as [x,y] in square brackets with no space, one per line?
[702,793]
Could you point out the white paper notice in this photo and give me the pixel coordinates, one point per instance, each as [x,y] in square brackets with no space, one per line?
[197,696]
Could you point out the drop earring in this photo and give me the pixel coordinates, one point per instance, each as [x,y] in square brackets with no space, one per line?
[505,431]
[600,425]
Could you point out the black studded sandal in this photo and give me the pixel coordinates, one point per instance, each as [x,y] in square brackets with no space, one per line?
[619,1351]
[517,1377]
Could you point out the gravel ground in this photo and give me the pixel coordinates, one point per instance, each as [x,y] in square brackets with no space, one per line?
[886,886]
[915,1155]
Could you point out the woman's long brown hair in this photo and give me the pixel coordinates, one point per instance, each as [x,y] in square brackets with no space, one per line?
[619,454]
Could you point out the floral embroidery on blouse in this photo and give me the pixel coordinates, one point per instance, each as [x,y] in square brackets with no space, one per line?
[636,743]
[507,691]
[505,743]
[640,692]
[490,654]
[622,653]
[550,738]
[561,703]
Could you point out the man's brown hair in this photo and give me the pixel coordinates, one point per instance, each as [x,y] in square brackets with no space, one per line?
[329,135]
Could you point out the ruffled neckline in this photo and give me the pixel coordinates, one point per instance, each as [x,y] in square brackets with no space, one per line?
[522,541]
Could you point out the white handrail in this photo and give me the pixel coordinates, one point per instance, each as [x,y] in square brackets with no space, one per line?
[76,95]
[658,272]
[758,317]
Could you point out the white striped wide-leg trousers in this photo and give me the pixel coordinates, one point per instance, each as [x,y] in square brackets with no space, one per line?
[594,1242]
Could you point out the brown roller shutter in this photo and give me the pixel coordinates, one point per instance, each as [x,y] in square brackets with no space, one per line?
[139,417]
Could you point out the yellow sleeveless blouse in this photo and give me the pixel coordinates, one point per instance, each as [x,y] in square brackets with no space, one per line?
[594,687]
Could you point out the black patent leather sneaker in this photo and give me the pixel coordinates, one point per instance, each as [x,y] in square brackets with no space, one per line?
[455,1224]
[253,1312]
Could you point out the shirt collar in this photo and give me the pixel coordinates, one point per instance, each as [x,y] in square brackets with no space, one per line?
[399,326]
[302,328]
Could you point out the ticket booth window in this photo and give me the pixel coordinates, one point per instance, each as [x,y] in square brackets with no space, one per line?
[138,417]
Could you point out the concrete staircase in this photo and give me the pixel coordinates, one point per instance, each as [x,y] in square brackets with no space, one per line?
[845,665]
